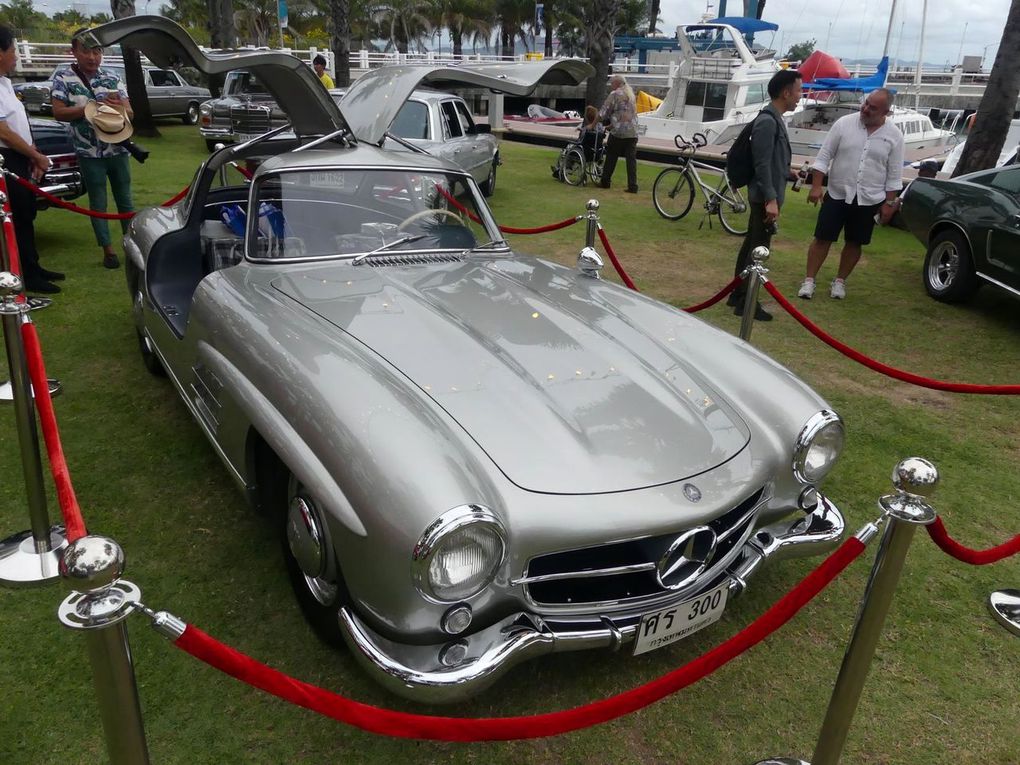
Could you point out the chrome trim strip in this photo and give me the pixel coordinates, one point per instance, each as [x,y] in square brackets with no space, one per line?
[585,574]
[417,672]
[997,283]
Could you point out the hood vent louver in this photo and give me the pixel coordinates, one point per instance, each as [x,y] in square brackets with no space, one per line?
[377,261]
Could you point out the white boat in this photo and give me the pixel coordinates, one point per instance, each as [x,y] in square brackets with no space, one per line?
[722,83]
[808,126]
[1009,154]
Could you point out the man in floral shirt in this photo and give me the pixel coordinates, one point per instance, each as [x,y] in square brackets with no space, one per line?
[621,111]
[73,87]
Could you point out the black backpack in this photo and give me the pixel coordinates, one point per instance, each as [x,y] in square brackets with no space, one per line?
[739,161]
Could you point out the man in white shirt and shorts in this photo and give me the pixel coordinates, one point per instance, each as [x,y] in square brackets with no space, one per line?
[863,158]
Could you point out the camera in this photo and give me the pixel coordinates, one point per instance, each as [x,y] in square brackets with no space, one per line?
[135,150]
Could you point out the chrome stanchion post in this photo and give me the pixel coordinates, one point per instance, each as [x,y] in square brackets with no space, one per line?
[92,566]
[915,480]
[223,167]
[1005,607]
[756,274]
[591,230]
[28,557]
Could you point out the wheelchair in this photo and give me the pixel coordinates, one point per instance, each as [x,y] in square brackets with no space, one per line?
[583,159]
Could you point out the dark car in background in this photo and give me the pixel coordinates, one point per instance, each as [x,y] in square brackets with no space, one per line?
[64,178]
[169,94]
[970,226]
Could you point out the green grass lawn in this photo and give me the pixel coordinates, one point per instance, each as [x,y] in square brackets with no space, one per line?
[944,687]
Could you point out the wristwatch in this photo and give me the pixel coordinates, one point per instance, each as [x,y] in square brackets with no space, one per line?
[893,202]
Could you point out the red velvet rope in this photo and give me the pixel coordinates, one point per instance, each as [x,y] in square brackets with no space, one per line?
[74,524]
[404,725]
[717,296]
[507,229]
[939,535]
[885,369]
[9,235]
[58,202]
[248,174]
[616,261]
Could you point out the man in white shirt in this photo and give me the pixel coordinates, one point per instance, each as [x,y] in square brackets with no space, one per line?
[22,158]
[863,157]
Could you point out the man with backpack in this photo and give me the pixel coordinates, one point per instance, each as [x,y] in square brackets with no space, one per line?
[760,159]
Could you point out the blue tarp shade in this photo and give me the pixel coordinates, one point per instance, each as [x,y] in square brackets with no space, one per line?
[745,25]
[857,84]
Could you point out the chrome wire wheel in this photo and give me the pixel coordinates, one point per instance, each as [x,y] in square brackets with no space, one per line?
[949,273]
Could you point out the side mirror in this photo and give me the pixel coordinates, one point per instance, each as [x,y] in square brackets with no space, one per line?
[483,127]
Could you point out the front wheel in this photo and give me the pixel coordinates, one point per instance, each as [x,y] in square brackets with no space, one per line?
[191,115]
[673,193]
[572,167]
[732,208]
[949,269]
[311,562]
[489,187]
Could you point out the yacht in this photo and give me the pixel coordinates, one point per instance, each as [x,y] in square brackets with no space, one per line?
[722,82]
[808,126]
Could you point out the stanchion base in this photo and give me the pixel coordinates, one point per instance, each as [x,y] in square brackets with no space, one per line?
[35,302]
[22,566]
[1005,607]
[7,390]
[782,761]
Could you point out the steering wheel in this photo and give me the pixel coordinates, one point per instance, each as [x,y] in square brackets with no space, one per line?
[402,226]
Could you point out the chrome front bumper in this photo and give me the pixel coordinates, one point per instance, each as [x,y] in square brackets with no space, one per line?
[467,665]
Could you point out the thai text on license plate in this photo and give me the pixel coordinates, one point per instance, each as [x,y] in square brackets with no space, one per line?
[671,624]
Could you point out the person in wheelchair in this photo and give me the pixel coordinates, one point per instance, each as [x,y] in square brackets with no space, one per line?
[583,157]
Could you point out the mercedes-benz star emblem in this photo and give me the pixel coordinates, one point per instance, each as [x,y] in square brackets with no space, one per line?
[687,558]
[692,492]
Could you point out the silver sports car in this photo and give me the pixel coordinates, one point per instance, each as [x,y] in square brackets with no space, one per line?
[474,457]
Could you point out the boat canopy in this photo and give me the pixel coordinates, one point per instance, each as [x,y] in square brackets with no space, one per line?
[745,25]
[856,84]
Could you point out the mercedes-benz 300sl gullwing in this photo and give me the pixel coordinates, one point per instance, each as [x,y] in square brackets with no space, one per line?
[474,457]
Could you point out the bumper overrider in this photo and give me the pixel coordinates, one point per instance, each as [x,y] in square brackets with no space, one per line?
[468,664]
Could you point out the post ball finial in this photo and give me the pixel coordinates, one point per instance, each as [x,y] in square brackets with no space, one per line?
[92,562]
[760,254]
[593,205]
[10,284]
[917,476]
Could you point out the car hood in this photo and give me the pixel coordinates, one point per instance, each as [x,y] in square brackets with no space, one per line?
[291,82]
[562,392]
[372,102]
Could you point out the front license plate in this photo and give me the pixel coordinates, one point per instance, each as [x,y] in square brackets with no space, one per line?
[245,137]
[671,624]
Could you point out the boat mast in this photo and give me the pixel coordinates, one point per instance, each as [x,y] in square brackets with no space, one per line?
[888,39]
[920,56]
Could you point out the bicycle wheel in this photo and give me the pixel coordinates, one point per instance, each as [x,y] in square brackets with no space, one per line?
[572,167]
[732,208]
[673,193]
[595,169]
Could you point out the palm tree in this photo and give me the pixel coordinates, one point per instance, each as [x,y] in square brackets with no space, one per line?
[465,18]
[340,39]
[403,22]
[998,102]
[513,16]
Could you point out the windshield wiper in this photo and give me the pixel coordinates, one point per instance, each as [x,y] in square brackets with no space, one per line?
[387,246]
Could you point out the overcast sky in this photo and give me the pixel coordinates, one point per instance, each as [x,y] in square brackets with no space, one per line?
[858,27]
[857,30]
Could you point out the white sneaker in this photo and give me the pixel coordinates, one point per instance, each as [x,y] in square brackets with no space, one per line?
[838,289]
[807,289]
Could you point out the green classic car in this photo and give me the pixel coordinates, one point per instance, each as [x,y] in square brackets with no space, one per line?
[971,227]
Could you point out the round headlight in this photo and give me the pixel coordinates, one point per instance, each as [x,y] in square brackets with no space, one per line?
[459,553]
[818,447]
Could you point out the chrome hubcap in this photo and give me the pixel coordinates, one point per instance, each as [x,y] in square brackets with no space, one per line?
[944,265]
[305,540]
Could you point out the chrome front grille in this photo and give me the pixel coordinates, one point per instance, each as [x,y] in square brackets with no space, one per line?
[626,571]
[250,119]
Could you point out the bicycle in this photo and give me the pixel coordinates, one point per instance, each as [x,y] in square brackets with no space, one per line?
[673,192]
[578,163]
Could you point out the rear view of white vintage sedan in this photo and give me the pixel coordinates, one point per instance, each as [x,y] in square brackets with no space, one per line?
[473,457]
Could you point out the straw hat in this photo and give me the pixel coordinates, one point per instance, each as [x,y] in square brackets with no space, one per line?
[111,122]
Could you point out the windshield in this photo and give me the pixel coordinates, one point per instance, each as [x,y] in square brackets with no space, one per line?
[239,83]
[330,212]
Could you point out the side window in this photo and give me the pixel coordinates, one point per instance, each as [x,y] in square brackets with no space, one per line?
[412,121]
[160,78]
[451,124]
[1007,181]
[174,79]
[466,123]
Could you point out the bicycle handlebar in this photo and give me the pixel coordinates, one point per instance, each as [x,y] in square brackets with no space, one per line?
[697,141]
